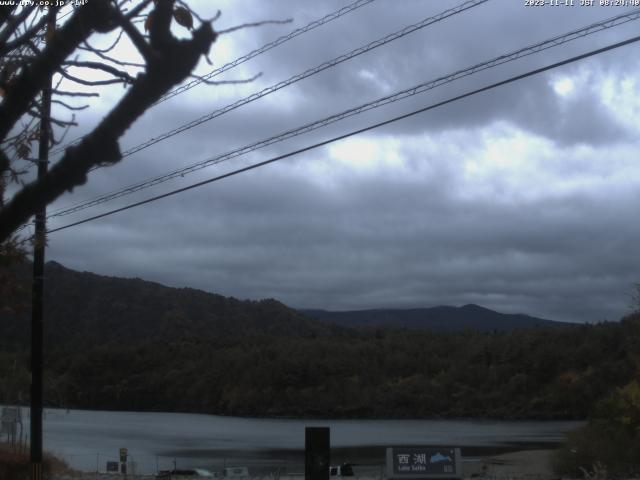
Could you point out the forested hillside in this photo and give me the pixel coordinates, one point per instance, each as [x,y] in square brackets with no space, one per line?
[83,308]
[536,374]
[135,345]
[447,318]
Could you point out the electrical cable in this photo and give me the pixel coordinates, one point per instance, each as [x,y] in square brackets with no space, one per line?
[307,73]
[301,76]
[355,132]
[538,47]
[254,53]
[279,41]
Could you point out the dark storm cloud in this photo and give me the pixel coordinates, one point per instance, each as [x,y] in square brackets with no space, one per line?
[532,105]
[462,41]
[324,230]
[348,258]
[371,242]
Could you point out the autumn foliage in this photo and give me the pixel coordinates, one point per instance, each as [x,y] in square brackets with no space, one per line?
[610,443]
[16,465]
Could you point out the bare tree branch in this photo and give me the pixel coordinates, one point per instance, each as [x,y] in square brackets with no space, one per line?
[75,94]
[63,123]
[101,66]
[24,38]
[13,22]
[135,36]
[104,50]
[168,61]
[6,11]
[70,107]
[113,60]
[90,83]
[174,62]
[23,89]
[138,9]
[255,24]
[160,28]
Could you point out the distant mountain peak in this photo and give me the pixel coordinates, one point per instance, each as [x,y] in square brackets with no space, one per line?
[54,264]
[445,317]
[473,306]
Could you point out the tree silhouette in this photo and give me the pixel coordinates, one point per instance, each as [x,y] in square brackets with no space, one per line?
[33,48]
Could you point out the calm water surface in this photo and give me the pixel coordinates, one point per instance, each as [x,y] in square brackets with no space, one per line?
[88,439]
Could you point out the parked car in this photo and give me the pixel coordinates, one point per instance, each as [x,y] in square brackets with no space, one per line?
[235,472]
[185,474]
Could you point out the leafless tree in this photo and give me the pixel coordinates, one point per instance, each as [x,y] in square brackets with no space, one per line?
[33,49]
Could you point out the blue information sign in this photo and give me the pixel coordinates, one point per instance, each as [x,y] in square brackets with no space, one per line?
[423,462]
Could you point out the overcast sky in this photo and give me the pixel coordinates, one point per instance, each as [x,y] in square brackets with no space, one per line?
[522,199]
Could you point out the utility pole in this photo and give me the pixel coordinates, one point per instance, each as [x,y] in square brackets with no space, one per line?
[38,277]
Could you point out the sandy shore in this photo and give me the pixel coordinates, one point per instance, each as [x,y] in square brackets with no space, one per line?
[525,463]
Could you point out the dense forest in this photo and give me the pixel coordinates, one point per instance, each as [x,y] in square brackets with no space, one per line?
[134,345]
[443,317]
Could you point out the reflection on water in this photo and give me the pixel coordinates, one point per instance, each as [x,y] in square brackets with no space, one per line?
[88,439]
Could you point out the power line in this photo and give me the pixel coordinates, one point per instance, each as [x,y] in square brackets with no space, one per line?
[421,88]
[356,132]
[296,78]
[254,53]
[279,41]
[308,73]
[301,76]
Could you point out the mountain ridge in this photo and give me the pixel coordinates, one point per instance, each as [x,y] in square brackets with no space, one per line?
[127,344]
[85,307]
[441,317]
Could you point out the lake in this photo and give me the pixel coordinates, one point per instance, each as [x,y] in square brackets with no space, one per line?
[88,439]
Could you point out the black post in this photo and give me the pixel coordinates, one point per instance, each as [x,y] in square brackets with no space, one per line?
[317,460]
[38,287]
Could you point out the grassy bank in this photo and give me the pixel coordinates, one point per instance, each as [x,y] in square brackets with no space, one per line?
[16,465]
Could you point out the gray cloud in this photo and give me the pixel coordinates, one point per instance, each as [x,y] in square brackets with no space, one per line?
[543,228]
[374,242]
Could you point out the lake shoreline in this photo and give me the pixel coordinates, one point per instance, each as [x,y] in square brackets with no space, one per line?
[341,454]
[518,464]
[346,416]
[88,439]
[518,460]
